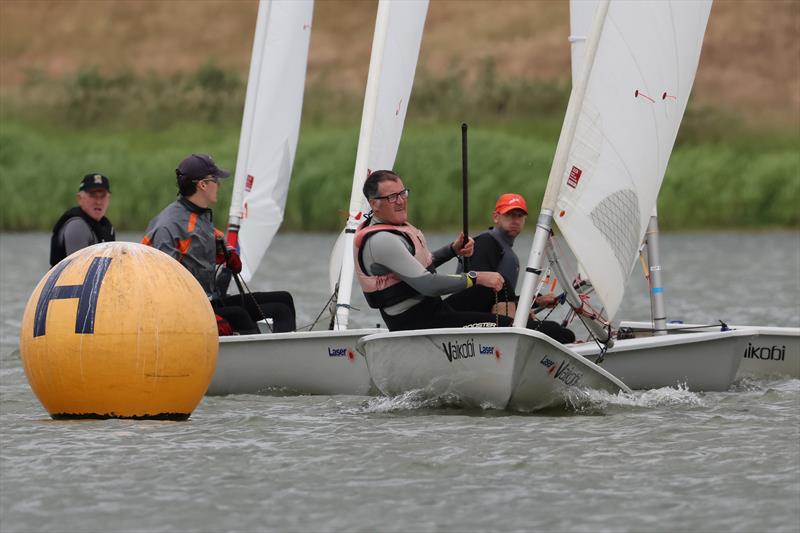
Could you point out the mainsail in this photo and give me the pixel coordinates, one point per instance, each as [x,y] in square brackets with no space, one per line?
[270,127]
[636,93]
[395,50]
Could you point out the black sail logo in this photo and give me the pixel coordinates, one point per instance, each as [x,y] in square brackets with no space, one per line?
[765,353]
[459,350]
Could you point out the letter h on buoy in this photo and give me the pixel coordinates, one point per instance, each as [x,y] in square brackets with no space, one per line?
[86,293]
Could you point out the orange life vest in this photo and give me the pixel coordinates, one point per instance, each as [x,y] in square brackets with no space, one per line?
[388,289]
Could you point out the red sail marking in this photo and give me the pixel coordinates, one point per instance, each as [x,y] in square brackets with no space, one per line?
[639,93]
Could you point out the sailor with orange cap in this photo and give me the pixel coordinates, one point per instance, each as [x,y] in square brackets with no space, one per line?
[494,252]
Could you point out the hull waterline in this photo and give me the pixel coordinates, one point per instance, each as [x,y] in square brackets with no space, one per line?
[504,368]
[705,361]
[313,362]
[775,351]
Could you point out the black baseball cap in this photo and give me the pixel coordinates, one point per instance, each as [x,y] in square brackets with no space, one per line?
[93,182]
[198,166]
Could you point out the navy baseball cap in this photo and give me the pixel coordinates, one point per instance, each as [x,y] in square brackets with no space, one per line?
[198,166]
[93,182]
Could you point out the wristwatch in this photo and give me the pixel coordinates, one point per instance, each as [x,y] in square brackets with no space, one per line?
[473,276]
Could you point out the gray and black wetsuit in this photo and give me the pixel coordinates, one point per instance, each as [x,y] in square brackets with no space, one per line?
[415,301]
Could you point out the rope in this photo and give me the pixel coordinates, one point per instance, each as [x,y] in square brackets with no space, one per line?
[253,298]
[720,323]
[322,311]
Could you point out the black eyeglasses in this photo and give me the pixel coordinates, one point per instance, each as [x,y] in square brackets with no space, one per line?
[212,178]
[392,198]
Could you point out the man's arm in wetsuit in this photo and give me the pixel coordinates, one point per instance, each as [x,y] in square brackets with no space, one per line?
[164,241]
[442,255]
[77,235]
[386,252]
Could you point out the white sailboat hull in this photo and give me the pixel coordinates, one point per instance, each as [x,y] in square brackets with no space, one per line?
[311,362]
[775,351]
[512,368]
[703,361]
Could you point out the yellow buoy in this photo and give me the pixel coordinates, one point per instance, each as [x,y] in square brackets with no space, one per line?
[119,330]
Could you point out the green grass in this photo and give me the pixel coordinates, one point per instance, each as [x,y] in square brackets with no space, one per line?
[752,185]
[722,174]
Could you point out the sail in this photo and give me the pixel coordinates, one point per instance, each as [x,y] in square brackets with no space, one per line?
[636,93]
[581,14]
[270,126]
[393,63]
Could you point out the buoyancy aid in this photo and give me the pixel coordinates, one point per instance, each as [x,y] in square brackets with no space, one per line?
[102,231]
[388,289]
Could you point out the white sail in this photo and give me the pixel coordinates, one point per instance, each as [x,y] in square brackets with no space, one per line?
[581,14]
[270,126]
[636,94]
[395,50]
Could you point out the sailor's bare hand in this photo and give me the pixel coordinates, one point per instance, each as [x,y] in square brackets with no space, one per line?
[464,250]
[493,280]
[546,300]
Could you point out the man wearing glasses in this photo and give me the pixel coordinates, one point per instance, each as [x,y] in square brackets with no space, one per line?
[397,272]
[185,231]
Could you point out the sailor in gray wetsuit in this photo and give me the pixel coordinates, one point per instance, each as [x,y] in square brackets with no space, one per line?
[185,231]
[397,272]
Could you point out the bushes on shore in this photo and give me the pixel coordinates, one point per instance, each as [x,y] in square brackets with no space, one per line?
[135,129]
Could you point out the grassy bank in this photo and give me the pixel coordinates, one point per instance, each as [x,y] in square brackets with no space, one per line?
[722,173]
[749,185]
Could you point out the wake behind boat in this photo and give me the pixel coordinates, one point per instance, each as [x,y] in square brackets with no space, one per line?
[503,368]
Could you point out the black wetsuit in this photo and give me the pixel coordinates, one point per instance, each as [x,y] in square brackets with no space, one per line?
[494,253]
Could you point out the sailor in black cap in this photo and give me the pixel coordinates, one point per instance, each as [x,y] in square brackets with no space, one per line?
[85,224]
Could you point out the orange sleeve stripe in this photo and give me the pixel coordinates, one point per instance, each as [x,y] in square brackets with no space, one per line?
[192,222]
[146,240]
[183,246]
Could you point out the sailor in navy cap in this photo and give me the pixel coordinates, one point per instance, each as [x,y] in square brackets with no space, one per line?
[185,230]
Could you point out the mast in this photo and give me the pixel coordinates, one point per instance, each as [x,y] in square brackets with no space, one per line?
[657,308]
[544,223]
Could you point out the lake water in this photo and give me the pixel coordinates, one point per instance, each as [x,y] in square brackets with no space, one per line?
[660,460]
